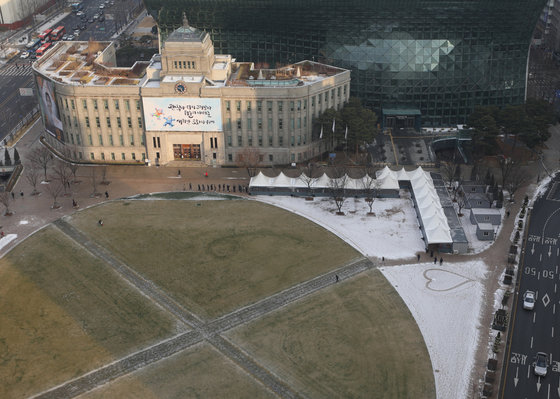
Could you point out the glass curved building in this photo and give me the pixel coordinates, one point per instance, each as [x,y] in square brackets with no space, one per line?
[437,58]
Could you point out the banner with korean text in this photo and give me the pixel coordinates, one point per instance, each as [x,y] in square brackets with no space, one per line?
[182,114]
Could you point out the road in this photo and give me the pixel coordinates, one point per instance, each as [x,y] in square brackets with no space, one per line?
[537,330]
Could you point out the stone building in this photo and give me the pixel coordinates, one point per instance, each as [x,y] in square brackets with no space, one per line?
[185,105]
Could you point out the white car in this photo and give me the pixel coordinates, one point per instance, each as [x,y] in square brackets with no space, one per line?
[70,37]
[24,55]
[529,300]
[102,6]
[77,32]
[80,13]
[541,364]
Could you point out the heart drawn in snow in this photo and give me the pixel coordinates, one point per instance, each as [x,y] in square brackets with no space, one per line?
[443,280]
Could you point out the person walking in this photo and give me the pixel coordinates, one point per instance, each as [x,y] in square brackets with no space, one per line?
[13,196]
[336,277]
[440,261]
[435,260]
[106,195]
[418,257]
[179,173]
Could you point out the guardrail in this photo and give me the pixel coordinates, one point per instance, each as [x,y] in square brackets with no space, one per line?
[26,120]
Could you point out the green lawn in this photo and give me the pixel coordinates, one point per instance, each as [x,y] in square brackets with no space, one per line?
[215,256]
[199,372]
[63,313]
[356,339]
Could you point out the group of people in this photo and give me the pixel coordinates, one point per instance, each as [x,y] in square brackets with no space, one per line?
[222,188]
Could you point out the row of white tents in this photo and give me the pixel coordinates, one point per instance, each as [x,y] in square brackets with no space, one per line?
[428,205]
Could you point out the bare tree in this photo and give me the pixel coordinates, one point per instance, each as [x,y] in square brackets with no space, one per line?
[461,202]
[62,173]
[93,178]
[337,188]
[250,159]
[32,177]
[41,157]
[54,188]
[517,177]
[104,180]
[371,187]
[308,177]
[449,172]
[6,199]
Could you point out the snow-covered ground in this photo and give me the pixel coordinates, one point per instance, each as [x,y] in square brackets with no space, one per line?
[393,232]
[446,303]
[444,300]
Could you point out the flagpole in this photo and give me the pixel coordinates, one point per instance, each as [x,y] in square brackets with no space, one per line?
[346,142]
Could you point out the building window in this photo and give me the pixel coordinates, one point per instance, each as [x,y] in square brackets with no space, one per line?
[134,156]
[127,105]
[91,155]
[228,124]
[280,141]
[259,106]
[175,65]
[292,141]
[87,121]
[228,105]
[260,141]
[84,104]
[131,139]
[119,122]
[319,99]
[305,104]
[140,122]
[332,94]
[103,156]
[250,141]
[344,90]
[66,102]
[105,104]
[299,123]
[280,124]
[292,124]
[291,106]
[78,139]
[239,141]
[121,140]
[108,122]
[90,139]
[97,121]
[113,156]
[111,140]
[123,157]
[116,104]
[94,104]
[270,141]
[259,124]
[313,101]
[143,156]
[100,137]
[269,106]
[280,106]
[129,121]
[229,141]
[238,105]
[137,105]
[485,233]
[230,157]
[305,121]
[193,65]
[141,139]
[73,104]
[249,105]
[249,124]
[239,123]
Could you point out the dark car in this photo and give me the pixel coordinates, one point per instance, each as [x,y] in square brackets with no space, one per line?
[83,17]
[83,26]
[75,27]
[101,18]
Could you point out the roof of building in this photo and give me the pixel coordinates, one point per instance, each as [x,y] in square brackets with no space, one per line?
[186,34]
[485,211]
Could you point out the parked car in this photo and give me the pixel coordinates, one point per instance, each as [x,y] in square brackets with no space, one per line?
[71,37]
[101,18]
[65,37]
[76,32]
[541,364]
[83,26]
[76,27]
[80,13]
[91,20]
[529,300]
[32,55]
[24,55]
[102,6]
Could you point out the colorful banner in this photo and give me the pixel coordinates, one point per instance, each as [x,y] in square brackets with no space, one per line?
[49,106]
[182,114]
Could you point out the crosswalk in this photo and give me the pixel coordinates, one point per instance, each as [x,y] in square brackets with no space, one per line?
[16,69]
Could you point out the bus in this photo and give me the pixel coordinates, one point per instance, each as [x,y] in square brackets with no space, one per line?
[45,36]
[57,33]
[42,50]
[77,7]
[33,44]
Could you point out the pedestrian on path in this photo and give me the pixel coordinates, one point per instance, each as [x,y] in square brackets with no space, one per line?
[336,275]
[418,257]
[190,186]
[205,174]
[13,196]
[507,214]
[21,194]
[382,259]
[435,260]
[440,261]
[179,172]
[106,195]
[100,222]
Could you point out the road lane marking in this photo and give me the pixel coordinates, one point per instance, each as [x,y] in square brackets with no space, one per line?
[516,379]
[554,309]
[539,275]
[534,316]
[552,332]
[540,257]
[531,342]
[555,288]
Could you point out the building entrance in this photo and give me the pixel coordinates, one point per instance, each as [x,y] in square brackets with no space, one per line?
[189,152]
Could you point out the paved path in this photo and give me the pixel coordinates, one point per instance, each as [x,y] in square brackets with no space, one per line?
[201,330]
